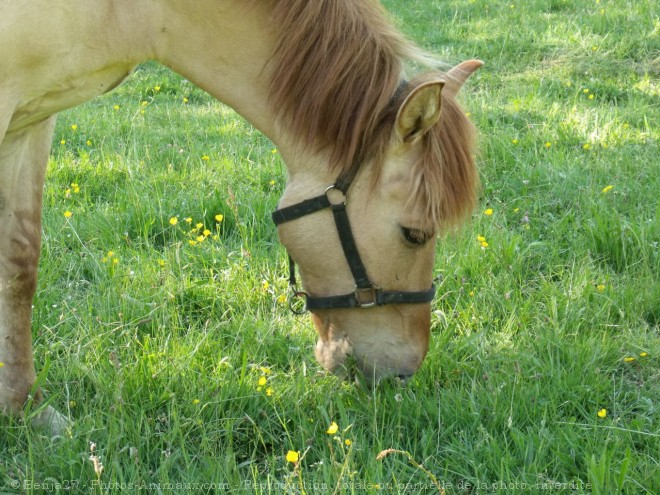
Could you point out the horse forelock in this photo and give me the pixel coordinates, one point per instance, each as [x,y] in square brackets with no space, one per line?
[445,180]
[335,71]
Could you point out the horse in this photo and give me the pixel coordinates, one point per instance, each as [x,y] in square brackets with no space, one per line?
[388,161]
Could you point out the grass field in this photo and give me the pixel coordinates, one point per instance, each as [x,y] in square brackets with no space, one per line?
[173,354]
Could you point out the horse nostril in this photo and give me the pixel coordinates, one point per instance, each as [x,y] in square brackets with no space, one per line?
[404,377]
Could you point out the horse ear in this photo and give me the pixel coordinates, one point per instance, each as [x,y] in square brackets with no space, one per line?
[419,112]
[457,76]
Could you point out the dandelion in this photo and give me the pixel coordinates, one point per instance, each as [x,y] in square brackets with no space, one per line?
[200,238]
[602,413]
[206,158]
[348,442]
[607,189]
[161,263]
[515,141]
[219,217]
[481,238]
[192,242]
[269,391]
[265,285]
[63,141]
[641,354]
[188,220]
[585,91]
[196,401]
[332,429]
[586,146]
[75,187]
[115,108]
[488,212]
[281,299]
[591,97]
[67,214]
[292,456]
[144,103]
[199,226]
[548,144]
[206,232]
[628,359]
[484,244]
[272,183]
[185,100]
[262,380]
[156,89]
[74,127]
[174,221]
[265,370]
[88,142]
[600,287]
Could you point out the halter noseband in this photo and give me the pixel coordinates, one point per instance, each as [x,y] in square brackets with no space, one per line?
[366,293]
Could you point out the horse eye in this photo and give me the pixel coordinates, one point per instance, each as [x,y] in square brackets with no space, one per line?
[415,236]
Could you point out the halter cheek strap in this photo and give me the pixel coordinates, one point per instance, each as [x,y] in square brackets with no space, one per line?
[366,294]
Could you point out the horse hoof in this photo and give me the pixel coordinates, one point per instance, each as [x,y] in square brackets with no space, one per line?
[51,421]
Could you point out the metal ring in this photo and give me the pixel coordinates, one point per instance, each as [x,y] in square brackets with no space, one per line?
[298,302]
[330,188]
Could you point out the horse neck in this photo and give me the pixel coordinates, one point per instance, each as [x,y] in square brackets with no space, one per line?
[224,49]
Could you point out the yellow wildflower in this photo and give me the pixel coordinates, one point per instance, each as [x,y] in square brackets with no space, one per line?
[488,212]
[219,217]
[115,108]
[348,442]
[74,127]
[607,189]
[195,401]
[548,144]
[206,232]
[1,364]
[200,238]
[292,456]
[629,359]
[174,221]
[332,429]
[262,380]
[600,287]
[156,89]
[67,214]
[206,158]
[269,391]
[602,413]
[185,100]
[641,354]
[188,219]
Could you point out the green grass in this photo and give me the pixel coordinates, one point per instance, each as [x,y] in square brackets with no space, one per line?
[157,356]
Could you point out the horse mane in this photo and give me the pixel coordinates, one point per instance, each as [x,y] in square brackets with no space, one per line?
[335,70]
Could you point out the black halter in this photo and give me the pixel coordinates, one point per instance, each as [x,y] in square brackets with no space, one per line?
[366,293]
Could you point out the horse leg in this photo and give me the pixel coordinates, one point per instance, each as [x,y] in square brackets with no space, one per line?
[23,160]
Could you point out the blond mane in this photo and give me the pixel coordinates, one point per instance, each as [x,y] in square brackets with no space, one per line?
[335,70]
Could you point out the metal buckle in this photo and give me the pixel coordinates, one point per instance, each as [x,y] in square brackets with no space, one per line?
[367,297]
